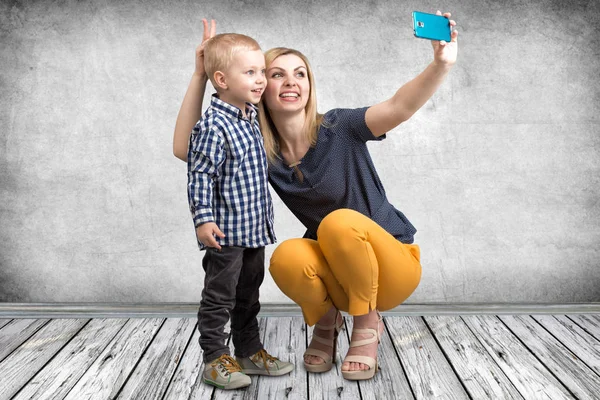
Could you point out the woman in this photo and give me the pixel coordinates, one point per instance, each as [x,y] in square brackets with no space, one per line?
[357,254]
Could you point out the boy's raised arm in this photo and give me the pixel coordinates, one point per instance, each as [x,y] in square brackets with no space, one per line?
[191,107]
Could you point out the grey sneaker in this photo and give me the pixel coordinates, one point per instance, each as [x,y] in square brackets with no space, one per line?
[262,363]
[225,373]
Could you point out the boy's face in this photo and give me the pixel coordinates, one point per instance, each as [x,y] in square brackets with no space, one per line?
[245,78]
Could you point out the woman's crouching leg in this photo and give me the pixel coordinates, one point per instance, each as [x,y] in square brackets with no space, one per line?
[300,270]
[376,270]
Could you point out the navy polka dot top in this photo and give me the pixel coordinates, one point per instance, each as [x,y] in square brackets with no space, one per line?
[338,173]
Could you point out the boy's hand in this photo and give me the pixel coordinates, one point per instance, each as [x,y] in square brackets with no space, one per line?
[445,53]
[200,49]
[206,234]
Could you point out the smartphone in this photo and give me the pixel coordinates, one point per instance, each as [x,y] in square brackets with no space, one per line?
[431,26]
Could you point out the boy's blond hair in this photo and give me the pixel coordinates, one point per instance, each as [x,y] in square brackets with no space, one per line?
[220,50]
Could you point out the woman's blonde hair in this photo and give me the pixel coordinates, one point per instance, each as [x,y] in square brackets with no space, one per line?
[220,50]
[313,118]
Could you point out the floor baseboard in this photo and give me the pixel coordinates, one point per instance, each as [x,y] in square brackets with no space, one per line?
[187,310]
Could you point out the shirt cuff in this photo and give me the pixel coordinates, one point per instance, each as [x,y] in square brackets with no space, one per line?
[201,215]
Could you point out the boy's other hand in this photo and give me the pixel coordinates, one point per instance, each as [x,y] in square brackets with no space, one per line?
[200,49]
[206,234]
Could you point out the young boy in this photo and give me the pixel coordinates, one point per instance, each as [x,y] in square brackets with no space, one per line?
[232,211]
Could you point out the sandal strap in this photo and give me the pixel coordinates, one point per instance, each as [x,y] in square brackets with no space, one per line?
[363,342]
[327,342]
[371,362]
[326,327]
[314,352]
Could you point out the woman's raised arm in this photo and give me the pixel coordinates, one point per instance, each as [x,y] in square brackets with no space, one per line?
[383,117]
[191,107]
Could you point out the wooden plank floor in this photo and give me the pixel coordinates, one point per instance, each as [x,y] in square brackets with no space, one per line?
[431,357]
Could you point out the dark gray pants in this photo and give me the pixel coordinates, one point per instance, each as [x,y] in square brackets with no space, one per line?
[233,276]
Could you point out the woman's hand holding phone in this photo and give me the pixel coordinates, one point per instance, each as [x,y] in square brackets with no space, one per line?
[445,52]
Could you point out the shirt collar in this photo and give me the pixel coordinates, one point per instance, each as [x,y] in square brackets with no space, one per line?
[232,111]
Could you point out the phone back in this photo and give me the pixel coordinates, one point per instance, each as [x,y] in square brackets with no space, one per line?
[431,26]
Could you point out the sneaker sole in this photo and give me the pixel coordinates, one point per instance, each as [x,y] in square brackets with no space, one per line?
[283,371]
[226,387]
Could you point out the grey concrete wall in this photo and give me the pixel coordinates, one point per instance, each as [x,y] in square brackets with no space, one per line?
[500,171]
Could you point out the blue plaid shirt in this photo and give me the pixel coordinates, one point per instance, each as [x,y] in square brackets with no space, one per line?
[227,176]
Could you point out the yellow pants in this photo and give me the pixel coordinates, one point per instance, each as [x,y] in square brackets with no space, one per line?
[355,265]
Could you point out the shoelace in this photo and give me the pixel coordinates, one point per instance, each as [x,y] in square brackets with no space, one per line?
[265,357]
[227,364]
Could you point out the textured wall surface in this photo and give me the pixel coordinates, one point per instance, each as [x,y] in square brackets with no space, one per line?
[499,171]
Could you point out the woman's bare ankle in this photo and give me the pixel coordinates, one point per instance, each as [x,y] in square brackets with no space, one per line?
[369,320]
[329,317]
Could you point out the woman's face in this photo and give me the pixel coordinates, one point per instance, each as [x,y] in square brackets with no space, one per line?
[288,86]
